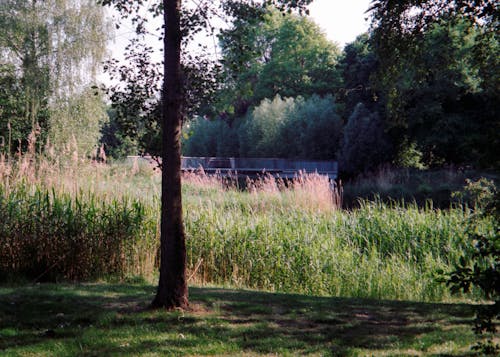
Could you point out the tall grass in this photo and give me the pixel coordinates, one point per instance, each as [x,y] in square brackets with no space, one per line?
[85,220]
[70,218]
[45,235]
[265,242]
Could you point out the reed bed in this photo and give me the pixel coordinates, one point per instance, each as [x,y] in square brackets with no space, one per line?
[264,241]
[96,220]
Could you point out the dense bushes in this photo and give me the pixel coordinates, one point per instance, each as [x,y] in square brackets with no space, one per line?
[283,127]
[48,235]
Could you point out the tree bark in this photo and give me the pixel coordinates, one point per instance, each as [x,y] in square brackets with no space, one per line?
[172,287]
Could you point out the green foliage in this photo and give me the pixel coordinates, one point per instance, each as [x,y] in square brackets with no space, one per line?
[117,143]
[203,137]
[13,126]
[359,63]
[479,194]
[409,156]
[48,235]
[481,269]
[54,50]
[78,119]
[260,135]
[313,130]
[288,128]
[365,145]
[434,78]
[275,54]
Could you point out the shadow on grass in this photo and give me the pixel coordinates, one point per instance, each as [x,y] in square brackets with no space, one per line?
[103,319]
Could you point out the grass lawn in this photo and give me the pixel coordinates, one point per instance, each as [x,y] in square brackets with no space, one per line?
[105,319]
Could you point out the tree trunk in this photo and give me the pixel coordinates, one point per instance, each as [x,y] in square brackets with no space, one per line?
[172,288]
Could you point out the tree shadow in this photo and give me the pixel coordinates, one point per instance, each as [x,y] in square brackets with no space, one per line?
[89,319]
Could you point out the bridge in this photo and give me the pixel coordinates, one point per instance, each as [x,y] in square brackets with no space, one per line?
[253,167]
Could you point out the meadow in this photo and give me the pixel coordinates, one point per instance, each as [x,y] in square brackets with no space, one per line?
[79,221]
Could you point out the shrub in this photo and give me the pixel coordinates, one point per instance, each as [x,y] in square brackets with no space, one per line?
[313,130]
[482,268]
[365,145]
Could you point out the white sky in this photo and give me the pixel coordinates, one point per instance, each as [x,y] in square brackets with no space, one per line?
[342,20]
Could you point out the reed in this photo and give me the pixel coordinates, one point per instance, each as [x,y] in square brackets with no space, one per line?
[84,220]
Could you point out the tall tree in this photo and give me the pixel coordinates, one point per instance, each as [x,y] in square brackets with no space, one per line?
[172,287]
[274,54]
[358,64]
[56,47]
[437,63]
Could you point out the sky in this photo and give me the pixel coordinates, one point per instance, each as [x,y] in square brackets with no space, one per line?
[342,20]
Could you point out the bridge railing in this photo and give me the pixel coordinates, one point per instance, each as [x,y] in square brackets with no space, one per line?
[286,168]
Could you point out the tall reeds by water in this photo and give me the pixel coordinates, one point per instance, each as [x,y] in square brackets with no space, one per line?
[79,219]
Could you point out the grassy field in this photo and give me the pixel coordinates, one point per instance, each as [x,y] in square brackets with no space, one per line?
[106,319]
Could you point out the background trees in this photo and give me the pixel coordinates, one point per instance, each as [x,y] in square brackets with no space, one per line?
[277,53]
[50,51]
[431,77]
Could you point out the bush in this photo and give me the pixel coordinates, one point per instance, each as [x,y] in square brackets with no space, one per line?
[482,268]
[314,129]
[365,145]
[48,235]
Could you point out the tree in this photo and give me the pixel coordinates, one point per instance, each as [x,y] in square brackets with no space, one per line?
[365,145]
[435,77]
[275,54]
[12,124]
[172,286]
[55,48]
[358,65]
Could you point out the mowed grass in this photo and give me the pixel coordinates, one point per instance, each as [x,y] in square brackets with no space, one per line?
[104,319]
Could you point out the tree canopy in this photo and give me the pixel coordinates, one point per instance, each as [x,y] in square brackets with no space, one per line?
[51,50]
[275,54]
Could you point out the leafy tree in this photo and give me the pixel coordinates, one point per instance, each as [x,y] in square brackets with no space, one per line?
[283,127]
[365,145]
[274,54]
[116,144]
[204,137]
[13,127]
[78,119]
[358,65]
[260,135]
[313,130]
[172,287]
[433,56]
[56,48]
[201,137]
